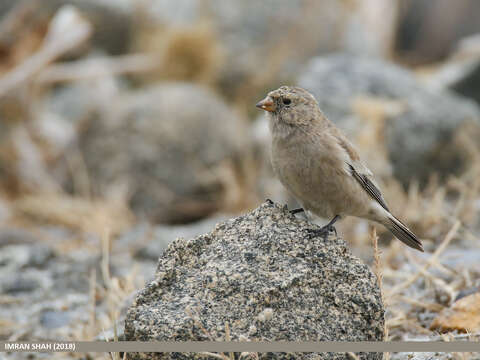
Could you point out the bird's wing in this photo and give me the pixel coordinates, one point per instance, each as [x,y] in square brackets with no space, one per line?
[359,171]
[369,186]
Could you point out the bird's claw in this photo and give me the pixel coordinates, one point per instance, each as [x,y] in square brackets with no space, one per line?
[334,229]
[322,232]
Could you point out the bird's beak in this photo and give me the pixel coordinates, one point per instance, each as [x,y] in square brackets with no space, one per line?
[266,104]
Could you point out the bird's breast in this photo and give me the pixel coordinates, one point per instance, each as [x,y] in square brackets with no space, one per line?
[294,166]
[314,177]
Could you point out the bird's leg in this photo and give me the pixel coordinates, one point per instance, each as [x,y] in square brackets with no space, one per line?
[329,226]
[296,211]
[324,230]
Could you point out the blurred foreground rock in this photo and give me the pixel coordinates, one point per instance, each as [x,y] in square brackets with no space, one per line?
[264,276]
[177,149]
[427,132]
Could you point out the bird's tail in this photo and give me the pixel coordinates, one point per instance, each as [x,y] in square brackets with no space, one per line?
[402,233]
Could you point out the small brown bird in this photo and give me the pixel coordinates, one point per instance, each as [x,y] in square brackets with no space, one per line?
[320,167]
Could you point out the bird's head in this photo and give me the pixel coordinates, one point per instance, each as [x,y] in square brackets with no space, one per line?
[290,105]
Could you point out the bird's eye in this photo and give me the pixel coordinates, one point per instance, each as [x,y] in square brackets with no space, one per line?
[286,101]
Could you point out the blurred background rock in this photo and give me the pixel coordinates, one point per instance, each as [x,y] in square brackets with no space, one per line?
[124,120]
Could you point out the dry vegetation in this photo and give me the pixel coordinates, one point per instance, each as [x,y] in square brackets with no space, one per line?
[416,287]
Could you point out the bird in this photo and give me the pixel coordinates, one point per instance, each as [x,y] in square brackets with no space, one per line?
[321,168]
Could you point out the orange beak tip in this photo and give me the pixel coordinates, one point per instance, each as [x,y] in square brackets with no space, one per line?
[266,104]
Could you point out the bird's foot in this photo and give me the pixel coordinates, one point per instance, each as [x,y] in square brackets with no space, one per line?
[322,232]
[325,230]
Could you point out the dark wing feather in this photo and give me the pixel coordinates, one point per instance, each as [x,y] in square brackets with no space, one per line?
[369,187]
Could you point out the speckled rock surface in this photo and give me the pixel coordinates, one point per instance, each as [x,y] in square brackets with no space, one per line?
[264,276]
[434,132]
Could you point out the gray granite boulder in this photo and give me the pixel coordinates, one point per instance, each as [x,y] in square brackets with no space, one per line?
[435,132]
[176,147]
[265,276]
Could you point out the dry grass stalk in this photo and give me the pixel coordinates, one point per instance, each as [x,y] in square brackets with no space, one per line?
[228,338]
[429,306]
[413,323]
[67,31]
[377,261]
[352,356]
[438,282]
[113,290]
[92,318]
[106,258]
[20,34]
[81,183]
[398,320]
[213,355]
[249,355]
[115,355]
[469,336]
[88,216]
[450,235]
[378,272]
